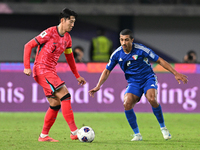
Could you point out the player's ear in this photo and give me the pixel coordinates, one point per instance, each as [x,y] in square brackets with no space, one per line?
[62,19]
[132,39]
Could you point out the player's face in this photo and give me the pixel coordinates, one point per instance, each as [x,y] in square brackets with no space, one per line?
[126,43]
[68,23]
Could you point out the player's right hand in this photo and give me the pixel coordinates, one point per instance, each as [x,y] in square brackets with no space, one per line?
[94,90]
[81,81]
[27,72]
[181,77]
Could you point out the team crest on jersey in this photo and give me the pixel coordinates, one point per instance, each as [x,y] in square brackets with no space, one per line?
[135,57]
[43,34]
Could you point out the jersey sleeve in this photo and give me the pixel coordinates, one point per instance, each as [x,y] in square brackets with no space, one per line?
[43,37]
[68,49]
[27,52]
[70,57]
[151,54]
[112,62]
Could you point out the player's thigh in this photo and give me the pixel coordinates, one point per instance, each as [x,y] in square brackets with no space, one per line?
[151,94]
[150,88]
[130,100]
[54,101]
[62,91]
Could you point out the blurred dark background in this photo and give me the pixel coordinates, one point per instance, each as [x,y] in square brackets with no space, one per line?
[170,27]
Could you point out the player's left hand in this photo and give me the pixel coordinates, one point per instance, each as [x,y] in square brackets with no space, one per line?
[181,77]
[81,81]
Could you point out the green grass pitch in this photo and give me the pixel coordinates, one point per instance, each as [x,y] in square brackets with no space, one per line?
[20,131]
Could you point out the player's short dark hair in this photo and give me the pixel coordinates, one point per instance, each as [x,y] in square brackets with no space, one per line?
[127,32]
[66,13]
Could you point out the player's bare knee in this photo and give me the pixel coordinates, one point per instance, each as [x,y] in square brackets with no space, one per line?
[127,105]
[151,99]
[153,102]
[53,101]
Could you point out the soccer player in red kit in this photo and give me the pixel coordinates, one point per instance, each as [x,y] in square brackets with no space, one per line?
[51,43]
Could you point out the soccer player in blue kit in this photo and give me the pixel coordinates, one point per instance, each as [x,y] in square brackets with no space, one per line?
[133,59]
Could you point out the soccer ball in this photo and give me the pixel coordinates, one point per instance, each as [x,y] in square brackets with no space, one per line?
[86,134]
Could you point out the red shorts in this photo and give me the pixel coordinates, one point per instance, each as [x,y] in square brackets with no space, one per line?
[50,83]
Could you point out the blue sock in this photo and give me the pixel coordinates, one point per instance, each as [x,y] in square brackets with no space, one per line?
[131,117]
[159,115]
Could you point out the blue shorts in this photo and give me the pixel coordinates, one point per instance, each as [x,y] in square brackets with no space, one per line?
[138,89]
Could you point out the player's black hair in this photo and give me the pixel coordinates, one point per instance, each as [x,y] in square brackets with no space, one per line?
[66,13]
[127,32]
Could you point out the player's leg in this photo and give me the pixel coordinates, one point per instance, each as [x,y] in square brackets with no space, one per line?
[156,107]
[150,91]
[49,119]
[65,98]
[49,81]
[130,99]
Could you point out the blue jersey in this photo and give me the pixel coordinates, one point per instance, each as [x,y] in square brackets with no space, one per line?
[135,64]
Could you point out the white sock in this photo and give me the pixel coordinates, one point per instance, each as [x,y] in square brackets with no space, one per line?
[74,132]
[43,135]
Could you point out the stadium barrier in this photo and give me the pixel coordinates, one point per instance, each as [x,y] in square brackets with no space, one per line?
[20,93]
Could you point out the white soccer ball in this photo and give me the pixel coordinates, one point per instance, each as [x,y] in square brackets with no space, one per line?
[86,134]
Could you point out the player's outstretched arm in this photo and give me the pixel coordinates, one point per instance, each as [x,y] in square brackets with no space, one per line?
[105,74]
[178,76]
[70,59]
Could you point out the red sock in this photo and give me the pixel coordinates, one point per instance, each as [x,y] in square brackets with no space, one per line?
[68,113]
[49,120]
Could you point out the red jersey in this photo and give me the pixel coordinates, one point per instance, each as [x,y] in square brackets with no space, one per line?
[50,46]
